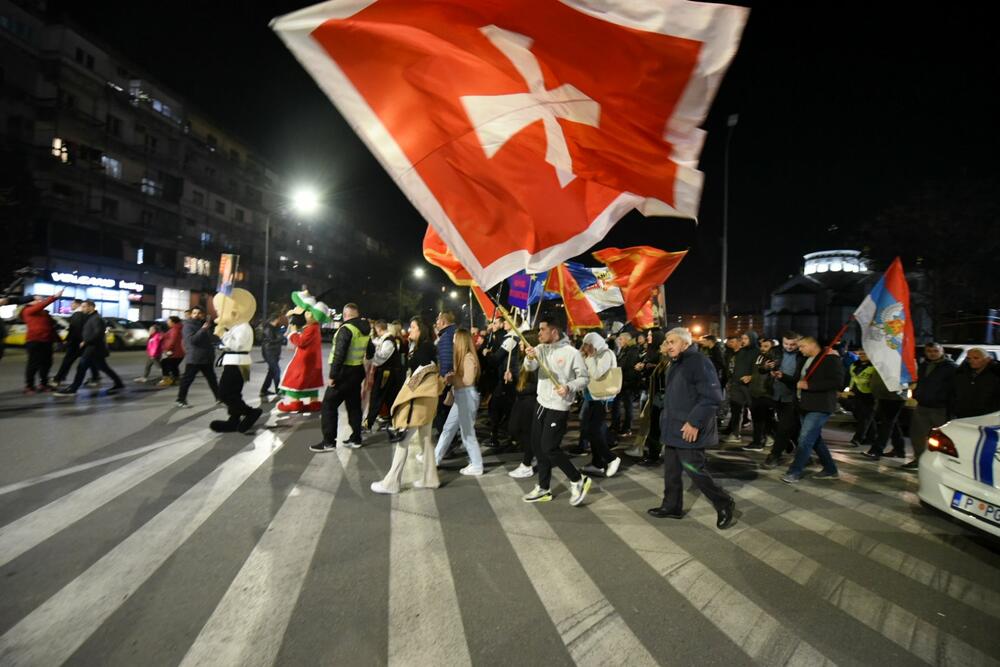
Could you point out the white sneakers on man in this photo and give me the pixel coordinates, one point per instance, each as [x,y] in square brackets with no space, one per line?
[521,472]
[475,471]
[578,490]
[613,467]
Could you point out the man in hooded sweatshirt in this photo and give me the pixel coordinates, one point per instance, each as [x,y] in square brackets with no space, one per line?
[562,374]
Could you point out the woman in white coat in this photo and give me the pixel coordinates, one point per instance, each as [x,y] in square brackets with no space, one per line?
[600,360]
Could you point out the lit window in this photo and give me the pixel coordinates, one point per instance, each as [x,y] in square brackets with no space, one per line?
[112,167]
[139,256]
[309,248]
[822,267]
[836,265]
[150,187]
[60,150]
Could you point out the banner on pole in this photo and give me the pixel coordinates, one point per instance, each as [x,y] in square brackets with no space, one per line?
[227,273]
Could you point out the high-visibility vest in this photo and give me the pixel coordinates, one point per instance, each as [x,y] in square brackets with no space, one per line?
[357,349]
[862,380]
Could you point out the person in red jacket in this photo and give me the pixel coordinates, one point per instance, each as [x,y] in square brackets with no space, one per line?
[38,342]
[172,351]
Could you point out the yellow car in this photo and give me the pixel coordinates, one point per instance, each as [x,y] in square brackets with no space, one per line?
[18,330]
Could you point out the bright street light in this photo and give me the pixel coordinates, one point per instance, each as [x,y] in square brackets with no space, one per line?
[305,200]
[453,294]
[419,272]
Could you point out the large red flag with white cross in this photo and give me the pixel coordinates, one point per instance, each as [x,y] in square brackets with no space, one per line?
[522,130]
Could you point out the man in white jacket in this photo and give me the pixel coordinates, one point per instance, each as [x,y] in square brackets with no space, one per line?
[566,366]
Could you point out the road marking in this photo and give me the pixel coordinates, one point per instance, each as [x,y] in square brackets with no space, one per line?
[72,470]
[32,529]
[51,633]
[592,630]
[908,565]
[761,636]
[249,623]
[901,627]
[425,621]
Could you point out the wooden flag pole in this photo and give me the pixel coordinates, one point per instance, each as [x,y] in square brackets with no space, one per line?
[829,348]
[513,325]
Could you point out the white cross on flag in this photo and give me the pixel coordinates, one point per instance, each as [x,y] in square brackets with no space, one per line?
[523,130]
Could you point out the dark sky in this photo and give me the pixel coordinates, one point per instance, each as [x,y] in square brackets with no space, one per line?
[843,109]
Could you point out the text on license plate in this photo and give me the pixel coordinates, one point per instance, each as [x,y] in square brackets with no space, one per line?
[976,507]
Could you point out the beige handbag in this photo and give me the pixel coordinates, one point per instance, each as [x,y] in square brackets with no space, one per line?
[607,386]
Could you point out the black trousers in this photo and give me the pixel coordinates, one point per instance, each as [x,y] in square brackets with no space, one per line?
[39,363]
[519,426]
[886,418]
[653,446]
[72,354]
[348,391]
[383,393]
[693,461]
[624,402]
[762,415]
[547,431]
[93,363]
[171,367]
[231,392]
[190,371]
[597,435]
[864,412]
[501,403]
[786,431]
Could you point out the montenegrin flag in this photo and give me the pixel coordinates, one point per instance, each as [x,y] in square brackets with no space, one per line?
[523,130]
[887,329]
[638,271]
[579,313]
[437,253]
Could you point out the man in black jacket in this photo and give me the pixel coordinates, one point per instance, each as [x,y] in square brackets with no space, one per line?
[933,394]
[818,382]
[347,374]
[74,336]
[272,342]
[976,385]
[93,351]
[628,358]
[199,355]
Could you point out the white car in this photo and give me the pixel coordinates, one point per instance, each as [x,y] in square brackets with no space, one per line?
[960,471]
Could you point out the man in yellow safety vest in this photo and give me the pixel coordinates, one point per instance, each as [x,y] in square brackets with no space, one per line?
[347,373]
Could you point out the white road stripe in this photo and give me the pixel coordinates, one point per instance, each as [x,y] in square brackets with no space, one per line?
[761,636]
[902,627]
[592,630]
[881,468]
[72,470]
[249,623]
[51,633]
[425,622]
[32,529]
[908,565]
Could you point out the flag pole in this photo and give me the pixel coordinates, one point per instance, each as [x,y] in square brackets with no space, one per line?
[513,325]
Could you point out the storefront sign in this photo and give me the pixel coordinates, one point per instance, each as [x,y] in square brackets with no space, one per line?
[95,281]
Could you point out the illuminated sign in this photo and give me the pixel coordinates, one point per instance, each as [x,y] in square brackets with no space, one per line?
[95,281]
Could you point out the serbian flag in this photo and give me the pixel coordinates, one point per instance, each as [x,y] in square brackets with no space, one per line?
[598,285]
[437,253]
[638,271]
[523,130]
[579,313]
[887,329]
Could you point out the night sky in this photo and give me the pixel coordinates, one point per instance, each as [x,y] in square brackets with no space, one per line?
[844,110]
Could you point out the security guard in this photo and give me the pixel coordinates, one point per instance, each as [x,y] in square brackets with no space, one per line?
[347,373]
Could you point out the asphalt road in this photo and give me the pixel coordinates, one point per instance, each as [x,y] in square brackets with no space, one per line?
[132,535]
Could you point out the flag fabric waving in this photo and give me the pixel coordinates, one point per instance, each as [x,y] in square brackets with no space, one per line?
[437,253]
[538,292]
[598,285]
[638,270]
[887,328]
[579,313]
[522,147]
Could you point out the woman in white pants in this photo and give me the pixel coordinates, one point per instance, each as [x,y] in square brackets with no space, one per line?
[462,415]
[413,412]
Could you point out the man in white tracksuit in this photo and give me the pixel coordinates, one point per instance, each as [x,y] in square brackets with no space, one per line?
[555,399]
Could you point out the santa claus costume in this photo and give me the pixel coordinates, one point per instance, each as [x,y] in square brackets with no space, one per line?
[303,377]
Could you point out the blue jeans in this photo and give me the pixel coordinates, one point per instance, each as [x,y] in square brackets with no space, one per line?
[273,375]
[811,437]
[461,416]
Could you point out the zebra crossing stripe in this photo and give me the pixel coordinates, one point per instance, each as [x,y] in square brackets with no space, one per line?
[592,630]
[893,622]
[760,635]
[425,622]
[908,565]
[32,529]
[883,470]
[51,633]
[249,623]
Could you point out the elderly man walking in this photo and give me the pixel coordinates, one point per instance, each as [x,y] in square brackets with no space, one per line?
[687,426]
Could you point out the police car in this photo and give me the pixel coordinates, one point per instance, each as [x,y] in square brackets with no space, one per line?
[960,471]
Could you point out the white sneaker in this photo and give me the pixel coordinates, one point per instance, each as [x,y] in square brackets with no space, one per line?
[521,472]
[378,487]
[537,495]
[613,467]
[635,452]
[733,438]
[578,490]
[475,471]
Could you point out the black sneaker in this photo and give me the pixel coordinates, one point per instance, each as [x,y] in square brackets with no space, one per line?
[352,443]
[752,448]
[115,389]
[65,391]
[322,447]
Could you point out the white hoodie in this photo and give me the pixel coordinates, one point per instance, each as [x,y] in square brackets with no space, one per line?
[566,364]
[603,360]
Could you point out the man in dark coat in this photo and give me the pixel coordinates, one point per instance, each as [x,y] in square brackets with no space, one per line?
[935,378]
[199,355]
[687,426]
[628,357]
[976,386]
[94,351]
[816,387]
[74,336]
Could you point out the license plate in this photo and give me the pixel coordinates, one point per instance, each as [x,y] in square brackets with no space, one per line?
[976,507]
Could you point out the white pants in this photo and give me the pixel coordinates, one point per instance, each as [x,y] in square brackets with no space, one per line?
[420,439]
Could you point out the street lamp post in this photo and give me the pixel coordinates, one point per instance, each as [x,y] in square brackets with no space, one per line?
[724,306]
